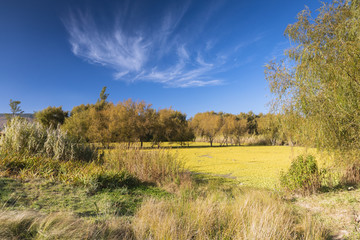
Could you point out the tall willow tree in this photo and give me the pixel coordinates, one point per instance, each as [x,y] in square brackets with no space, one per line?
[319,77]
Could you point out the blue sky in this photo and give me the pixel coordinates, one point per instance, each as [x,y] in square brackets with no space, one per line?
[194,56]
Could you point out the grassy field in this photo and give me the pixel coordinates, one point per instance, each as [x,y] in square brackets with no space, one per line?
[39,200]
[257,166]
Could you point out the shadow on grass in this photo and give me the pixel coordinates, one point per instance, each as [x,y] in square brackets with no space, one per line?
[49,196]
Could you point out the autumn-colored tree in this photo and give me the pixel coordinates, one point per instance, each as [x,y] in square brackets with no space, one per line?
[98,130]
[240,129]
[228,127]
[207,124]
[147,122]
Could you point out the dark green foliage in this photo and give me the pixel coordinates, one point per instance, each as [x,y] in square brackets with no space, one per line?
[302,176]
[51,116]
[111,180]
[252,123]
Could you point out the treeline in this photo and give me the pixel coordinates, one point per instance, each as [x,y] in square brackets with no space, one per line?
[232,129]
[128,121]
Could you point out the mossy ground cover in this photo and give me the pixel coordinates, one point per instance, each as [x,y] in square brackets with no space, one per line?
[256,166]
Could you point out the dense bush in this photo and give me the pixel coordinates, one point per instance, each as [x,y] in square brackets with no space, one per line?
[32,139]
[303,175]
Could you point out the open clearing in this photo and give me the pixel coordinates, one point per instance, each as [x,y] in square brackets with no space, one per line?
[257,166]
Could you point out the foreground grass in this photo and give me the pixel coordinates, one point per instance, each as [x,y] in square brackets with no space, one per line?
[49,196]
[138,194]
[39,209]
[339,209]
[247,215]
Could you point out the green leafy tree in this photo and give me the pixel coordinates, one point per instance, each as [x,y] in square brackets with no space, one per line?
[78,124]
[269,125]
[51,116]
[319,78]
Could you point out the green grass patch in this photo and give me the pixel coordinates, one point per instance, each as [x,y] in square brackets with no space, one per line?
[49,196]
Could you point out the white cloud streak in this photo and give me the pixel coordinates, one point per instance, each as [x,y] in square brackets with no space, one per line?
[160,56]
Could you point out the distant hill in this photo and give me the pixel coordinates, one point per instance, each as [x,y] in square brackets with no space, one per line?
[3,119]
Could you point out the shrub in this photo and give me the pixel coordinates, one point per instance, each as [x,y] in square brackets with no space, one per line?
[32,139]
[303,175]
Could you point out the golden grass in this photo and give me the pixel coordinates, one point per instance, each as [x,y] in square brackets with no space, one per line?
[253,215]
[153,166]
[257,166]
[60,225]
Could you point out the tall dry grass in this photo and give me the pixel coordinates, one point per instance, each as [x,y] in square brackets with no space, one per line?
[256,140]
[32,139]
[153,166]
[251,215]
[254,215]
[34,225]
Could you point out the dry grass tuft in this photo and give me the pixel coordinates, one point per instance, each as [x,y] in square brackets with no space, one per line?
[33,225]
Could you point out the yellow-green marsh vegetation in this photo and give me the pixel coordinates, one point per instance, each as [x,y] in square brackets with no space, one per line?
[258,166]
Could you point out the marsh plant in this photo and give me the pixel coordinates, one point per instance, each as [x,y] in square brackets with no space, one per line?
[32,139]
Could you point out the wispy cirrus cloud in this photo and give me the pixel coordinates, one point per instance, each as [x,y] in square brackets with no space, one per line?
[160,52]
